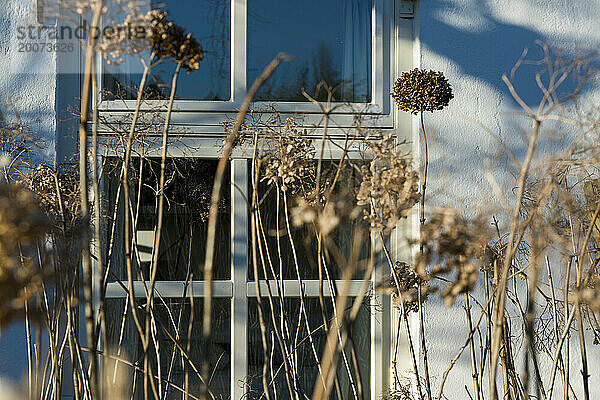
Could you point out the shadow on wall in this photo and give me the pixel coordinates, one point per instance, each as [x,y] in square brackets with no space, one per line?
[475,42]
[484,38]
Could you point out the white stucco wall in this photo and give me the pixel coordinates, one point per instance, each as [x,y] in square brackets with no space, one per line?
[27,95]
[27,79]
[474,42]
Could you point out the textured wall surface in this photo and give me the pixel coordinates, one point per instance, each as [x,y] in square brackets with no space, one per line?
[27,95]
[474,42]
[27,79]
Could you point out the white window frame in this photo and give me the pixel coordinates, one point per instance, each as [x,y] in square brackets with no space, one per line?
[207,114]
[394,35]
[240,289]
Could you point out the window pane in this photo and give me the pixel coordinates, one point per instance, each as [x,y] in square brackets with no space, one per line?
[209,22]
[280,262]
[300,350]
[188,190]
[330,40]
[172,316]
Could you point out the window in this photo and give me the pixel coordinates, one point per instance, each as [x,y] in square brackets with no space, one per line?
[343,43]
[329,41]
[236,354]
[209,21]
[179,273]
[358,50]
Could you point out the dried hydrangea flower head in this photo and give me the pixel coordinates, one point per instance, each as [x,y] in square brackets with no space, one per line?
[454,246]
[389,187]
[422,90]
[288,159]
[326,218]
[335,205]
[124,39]
[404,287]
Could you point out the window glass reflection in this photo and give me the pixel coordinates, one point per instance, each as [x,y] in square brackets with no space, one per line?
[330,40]
[172,318]
[209,22]
[185,220]
[290,319]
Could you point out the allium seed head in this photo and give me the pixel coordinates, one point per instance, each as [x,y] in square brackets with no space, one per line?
[421,90]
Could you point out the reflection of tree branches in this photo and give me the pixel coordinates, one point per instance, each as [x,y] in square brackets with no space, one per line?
[288,83]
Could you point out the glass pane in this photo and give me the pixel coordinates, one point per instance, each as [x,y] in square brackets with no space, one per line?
[210,23]
[280,263]
[172,316]
[330,40]
[188,190]
[292,324]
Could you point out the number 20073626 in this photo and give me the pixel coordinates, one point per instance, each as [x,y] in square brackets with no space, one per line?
[43,47]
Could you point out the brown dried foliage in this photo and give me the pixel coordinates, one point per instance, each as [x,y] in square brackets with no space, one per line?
[288,159]
[390,187]
[453,245]
[22,230]
[404,287]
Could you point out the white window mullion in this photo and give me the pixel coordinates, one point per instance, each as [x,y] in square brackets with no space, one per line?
[378,67]
[168,289]
[381,336]
[291,288]
[238,50]
[239,275]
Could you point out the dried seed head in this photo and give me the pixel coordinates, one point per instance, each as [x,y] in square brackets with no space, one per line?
[289,159]
[404,287]
[421,90]
[455,246]
[390,187]
[170,40]
[158,33]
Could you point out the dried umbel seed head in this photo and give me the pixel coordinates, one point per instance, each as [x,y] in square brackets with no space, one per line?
[288,159]
[403,285]
[170,40]
[154,31]
[454,246]
[589,294]
[421,90]
[127,38]
[389,187]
